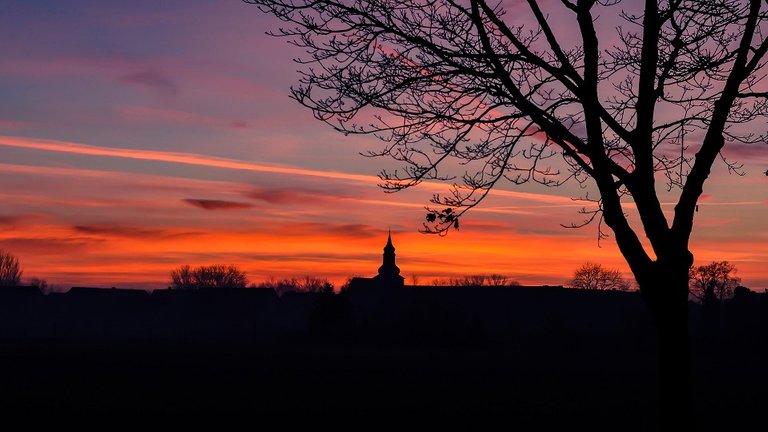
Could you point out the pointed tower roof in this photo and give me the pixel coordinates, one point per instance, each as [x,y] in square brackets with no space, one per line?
[388,267]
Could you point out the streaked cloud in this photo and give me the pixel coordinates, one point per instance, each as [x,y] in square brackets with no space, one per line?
[715,222]
[224,163]
[153,80]
[172,157]
[740,153]
[212,204]
[48,245]
[349,231]
[292,196]
[12,219]
[130,232]
[7,125]
[149,115]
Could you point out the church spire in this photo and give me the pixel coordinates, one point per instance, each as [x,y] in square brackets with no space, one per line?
[388,267]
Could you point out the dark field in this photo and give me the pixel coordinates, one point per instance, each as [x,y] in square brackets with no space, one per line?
[593,387]
[516,359]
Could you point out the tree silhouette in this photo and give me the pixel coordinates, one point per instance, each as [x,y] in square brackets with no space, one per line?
[503,93]
[38,283]
[473,280]
[212,276]
[596,277]
[10,270]
[496,279]
[304,284]
[493,279]
[713,282]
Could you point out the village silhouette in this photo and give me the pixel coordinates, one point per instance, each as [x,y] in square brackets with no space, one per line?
[539,357]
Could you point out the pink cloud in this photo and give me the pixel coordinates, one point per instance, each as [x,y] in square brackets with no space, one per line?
[150,72]
[174,157]
[224,163]
[288,196]
[484,226]
[13,124]
[715,222]
[165,116]
[747,153]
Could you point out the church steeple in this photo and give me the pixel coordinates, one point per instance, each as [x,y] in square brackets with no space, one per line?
[389,245]
[389,273]
[388,267]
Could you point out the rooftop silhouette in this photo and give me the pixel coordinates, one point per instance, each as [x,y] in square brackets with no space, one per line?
[389,273]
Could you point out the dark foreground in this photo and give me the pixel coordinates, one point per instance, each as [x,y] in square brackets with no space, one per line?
[594,387]
[505,360]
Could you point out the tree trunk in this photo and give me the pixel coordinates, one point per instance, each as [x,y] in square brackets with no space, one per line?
[668,302]
[674,367]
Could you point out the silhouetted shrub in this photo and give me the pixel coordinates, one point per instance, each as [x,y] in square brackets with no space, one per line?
[212,276]
[304,284]
[713,282]
[596,277]
[493,279]
[10,270]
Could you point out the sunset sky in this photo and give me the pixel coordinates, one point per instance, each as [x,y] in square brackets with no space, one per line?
[138,136]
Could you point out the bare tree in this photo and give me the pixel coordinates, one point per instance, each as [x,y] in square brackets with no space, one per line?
[212,276]
[493,279]
[459,80]
[713,282]
[496,279]
[182,278]
[473,280]
[596,277]
[314,284]
[304,284]
[10,270]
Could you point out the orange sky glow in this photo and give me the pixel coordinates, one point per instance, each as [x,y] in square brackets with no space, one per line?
[328,224]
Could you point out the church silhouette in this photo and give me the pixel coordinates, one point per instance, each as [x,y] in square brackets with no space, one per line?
[389,272]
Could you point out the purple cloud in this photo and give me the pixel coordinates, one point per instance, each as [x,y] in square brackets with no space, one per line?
[289,196]
[153,80]
[207,204]
[127,231]
[47,245]
[11,219]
